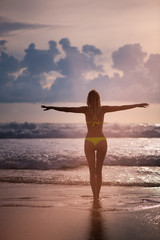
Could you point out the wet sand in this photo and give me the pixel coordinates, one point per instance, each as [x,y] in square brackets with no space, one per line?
[58,212]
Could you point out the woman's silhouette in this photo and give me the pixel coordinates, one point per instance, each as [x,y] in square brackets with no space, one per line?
[95,142]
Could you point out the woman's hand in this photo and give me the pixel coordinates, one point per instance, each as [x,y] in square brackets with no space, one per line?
[45,108]
[143,105]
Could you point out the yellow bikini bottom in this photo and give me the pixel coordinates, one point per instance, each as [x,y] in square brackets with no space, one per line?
[95,140]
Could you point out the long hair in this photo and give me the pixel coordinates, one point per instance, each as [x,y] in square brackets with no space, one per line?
[93,100]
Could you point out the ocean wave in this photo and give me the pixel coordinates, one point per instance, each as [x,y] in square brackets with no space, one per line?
[54,180]
[46,154]
[41,163]
[48,130]
[112,176]
[70,162]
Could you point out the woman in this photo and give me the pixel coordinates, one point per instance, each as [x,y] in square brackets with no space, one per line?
[95,142]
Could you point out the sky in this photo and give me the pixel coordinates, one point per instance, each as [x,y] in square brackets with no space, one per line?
[54,52]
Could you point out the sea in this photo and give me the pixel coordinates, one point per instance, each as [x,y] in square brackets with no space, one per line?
[54,154]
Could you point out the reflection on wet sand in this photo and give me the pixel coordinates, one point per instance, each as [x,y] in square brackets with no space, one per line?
[96,230]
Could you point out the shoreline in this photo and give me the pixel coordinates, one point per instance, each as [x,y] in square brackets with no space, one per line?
[37,211]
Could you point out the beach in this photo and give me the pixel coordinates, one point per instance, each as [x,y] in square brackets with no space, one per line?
[46,211]
[45,191]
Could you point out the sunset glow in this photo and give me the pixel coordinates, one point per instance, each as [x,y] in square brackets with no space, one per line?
[56,51]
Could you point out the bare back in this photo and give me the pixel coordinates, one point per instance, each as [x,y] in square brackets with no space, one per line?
[94,122]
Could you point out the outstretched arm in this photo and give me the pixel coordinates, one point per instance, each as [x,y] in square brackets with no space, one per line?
[65,109]
[124,107]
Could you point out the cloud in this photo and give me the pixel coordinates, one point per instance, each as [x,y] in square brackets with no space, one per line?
[25,80]
[140,79]
[153,64]
[128,57]
[38,61]
[90,49]
[7,26]
[2,45]
[75,62]
[8,65]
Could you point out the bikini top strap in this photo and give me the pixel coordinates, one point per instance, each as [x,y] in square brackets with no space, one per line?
[94,122]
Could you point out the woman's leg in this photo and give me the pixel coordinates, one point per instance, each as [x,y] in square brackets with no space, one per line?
[101,153]
[90,155]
